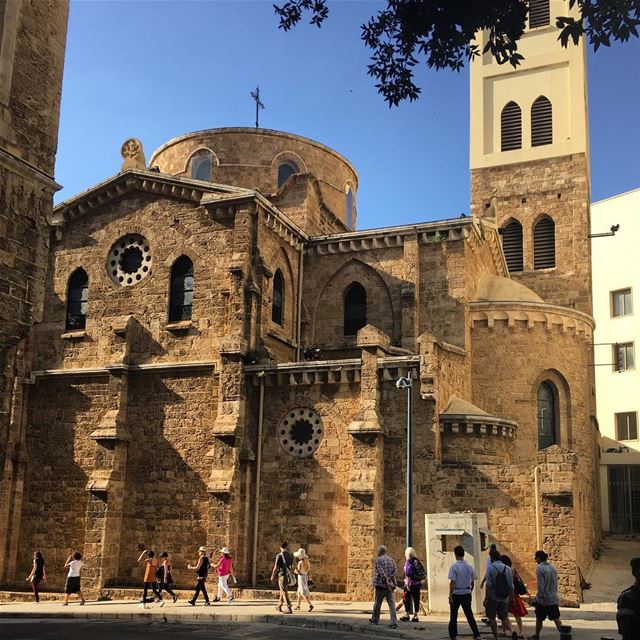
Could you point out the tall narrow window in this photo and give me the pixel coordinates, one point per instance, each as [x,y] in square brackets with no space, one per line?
[349,207]
[285,170]
[511,127]
[512,245]
[355,309]
[277,303]
[202,166]
[77,299]
[541,122]
[544,244]
[539,15]
[547,428]
[181,294]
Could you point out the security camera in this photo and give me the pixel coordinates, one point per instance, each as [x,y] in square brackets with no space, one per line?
[403,383]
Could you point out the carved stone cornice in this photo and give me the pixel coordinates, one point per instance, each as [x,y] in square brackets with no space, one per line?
[532,313]
[281,227]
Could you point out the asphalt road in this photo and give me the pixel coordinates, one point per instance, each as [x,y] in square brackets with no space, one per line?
[125,630]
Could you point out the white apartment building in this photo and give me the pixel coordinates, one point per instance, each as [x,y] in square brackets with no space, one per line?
[616,308]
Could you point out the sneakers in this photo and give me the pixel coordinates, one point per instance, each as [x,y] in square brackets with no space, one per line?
[415,619]
[230,600]
[372,621]
[207,604]
[192,603]
[405,618]
[393,625]
[216,599]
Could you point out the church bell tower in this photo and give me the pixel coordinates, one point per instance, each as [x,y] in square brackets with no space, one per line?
[529,158]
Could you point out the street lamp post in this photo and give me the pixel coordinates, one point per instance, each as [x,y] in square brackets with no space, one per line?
[407,383]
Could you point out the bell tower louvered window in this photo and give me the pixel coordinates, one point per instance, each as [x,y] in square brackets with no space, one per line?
[77,300]
[539,15]
[355,309]
[512,246]
[181,294]
[511,127]
[541,122]
[277,303]
[544,244]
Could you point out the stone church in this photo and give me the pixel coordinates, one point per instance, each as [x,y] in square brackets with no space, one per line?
[217,358]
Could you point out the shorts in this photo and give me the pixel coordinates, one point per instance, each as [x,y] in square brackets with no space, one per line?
[543,611]
[496,609]
[72,585]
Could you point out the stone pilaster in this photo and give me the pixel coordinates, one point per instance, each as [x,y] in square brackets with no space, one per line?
[366,481]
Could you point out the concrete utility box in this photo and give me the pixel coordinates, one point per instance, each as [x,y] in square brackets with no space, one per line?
[444,532]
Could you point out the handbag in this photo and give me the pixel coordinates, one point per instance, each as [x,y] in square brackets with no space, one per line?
[291,578]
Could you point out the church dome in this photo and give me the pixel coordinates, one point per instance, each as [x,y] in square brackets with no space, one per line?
[500,289]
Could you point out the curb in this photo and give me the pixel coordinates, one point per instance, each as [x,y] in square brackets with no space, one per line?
[281,620]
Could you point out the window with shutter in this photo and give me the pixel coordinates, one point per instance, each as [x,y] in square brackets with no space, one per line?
[511,127]
[544,244]
[547,422]
[539,15]
[277,303]
[541,122]
[512,245]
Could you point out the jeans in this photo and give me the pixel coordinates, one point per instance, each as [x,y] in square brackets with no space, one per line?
[464,601]
[382,593]
[166,586]
[283,585]
[201,587]
[154,588]
[412,598]
[223,587]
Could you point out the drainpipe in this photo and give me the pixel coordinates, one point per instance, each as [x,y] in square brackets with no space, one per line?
[299,309]
[536,483]
[256,504]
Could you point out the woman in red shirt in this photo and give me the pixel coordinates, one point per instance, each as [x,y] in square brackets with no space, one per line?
[224,567]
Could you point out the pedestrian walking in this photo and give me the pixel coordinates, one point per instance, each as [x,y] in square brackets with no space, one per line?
[498,594]
[414,576]
[384,582]
[72,585]
[164,575]
[303,566]
[224,568]
[547,600]
[628,616]
[150,577]
[462,578]
[202,571]
[517,607]
[282,567]
[37,575]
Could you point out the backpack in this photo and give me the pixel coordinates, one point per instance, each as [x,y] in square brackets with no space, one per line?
[500,584]
[419,574]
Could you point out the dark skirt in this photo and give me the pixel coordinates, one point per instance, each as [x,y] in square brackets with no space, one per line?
[72,585]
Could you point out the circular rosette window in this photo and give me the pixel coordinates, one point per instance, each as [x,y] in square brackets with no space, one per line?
[129,260]
[300,432]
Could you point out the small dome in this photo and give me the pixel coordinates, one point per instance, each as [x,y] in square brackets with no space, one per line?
[499,289]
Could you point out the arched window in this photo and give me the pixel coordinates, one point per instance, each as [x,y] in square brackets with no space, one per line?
[355,309]
[544,244]
[539,15]
[277,303]
[547,415]
[349,207]
[512,245]
[511,127]
[181,293]
[77,299]
[202,166]
[541,122]
[285,170]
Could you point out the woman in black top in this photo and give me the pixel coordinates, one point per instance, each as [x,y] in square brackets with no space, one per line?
[37,574]
[202,570]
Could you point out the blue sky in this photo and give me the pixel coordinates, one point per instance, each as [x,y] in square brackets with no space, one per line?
[158,69]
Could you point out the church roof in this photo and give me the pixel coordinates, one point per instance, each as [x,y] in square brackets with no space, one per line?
[499,289]
[458,407]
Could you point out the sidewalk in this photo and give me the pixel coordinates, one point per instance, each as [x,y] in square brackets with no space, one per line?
[333,616]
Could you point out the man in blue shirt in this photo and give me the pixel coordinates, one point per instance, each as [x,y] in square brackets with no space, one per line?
[547,600]
[461,580]
[499,592]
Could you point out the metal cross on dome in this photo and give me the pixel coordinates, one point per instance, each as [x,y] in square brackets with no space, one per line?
[256,96]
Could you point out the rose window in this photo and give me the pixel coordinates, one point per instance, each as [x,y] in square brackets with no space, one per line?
[300,432]
[129,260]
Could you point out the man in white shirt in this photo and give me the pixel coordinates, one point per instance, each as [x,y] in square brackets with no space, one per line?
[461,580]
[547,600]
